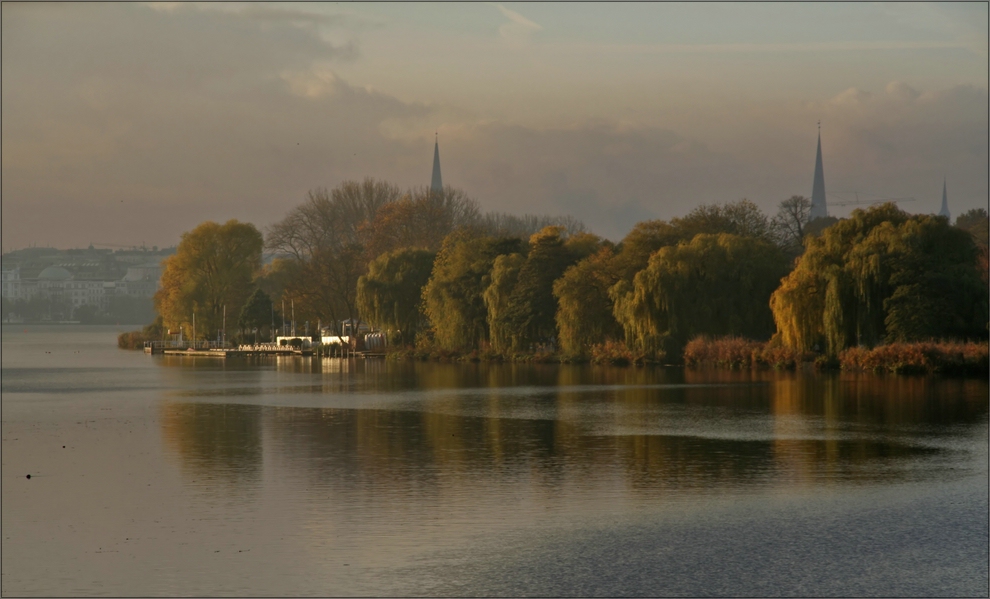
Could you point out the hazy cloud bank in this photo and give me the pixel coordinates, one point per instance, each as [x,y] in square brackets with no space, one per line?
[124,123]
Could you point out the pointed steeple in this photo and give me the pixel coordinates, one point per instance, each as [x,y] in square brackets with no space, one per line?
[818,207]
[436,184]
[945,203]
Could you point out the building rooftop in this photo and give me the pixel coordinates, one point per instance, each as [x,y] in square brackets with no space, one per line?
[55,273]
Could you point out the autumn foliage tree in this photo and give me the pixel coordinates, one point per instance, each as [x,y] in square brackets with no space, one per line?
[588,293]
[584,309]
[321,245]
[503,278]
[453,298]
[420,219]
[212,268]
[712,285]
[521,305]
[977,222]
[881,276]
[390,296]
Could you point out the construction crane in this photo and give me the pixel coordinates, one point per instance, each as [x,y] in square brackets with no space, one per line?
[859,202]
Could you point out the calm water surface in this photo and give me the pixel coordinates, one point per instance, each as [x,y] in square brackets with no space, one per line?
[334,477]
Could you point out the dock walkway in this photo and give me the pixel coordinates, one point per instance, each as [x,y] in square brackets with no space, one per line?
[265,349]
[240,352]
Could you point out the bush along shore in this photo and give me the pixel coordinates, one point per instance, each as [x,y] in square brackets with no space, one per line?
[926,357]
[736,352]
[137,339]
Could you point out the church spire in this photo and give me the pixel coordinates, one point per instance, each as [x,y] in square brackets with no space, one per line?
[945,203]
[818,207]
[436,184]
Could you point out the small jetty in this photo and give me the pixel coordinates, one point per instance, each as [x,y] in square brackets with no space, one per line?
[371,345]
[250,351]
[237,352]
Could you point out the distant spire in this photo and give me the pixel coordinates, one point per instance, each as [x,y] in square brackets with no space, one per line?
[818,207]
[945,203]
[436,184]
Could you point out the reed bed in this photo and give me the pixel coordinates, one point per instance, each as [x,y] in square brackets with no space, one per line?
[614,353]
[944,357]
[738,353]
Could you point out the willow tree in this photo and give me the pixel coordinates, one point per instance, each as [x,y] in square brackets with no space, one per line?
[816,307]
[503,334]
[520,300]
[209,275]
[882,275]
[712,285]
[741,218]
[918,281]
[453,296]
[390,296]
[584,308]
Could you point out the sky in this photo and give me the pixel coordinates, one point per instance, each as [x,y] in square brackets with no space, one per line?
[128,124]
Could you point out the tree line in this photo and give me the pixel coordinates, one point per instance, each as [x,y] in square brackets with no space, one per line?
[431,270]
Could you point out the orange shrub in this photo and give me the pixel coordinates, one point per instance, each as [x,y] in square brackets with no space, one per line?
[731,352]
[615,353]
[922,357]
[131,340]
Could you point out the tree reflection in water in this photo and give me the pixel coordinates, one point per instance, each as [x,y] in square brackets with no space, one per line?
[645,430]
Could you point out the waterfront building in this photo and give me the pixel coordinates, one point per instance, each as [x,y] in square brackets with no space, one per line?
[11,283]
[76,278]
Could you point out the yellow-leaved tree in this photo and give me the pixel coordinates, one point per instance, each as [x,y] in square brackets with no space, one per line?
[212,268]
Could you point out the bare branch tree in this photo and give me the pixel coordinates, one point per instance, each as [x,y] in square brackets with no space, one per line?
[789,224]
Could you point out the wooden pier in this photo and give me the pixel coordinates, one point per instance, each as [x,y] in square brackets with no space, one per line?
[261,350]
[236,353]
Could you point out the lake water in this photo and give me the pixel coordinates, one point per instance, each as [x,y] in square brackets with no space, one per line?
[292,476]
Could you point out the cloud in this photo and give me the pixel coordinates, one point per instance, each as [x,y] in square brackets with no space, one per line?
[902,91]
[164,6]
[314,82]
[207,115]
[607,174]
[850,97]
[218,114]
[767,47]
[899,143]
[519,28]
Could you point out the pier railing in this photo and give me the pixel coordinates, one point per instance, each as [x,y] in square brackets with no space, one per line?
[161,345]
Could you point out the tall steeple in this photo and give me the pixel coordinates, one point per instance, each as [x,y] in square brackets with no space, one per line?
[436,184]
[818,207]
[945,203]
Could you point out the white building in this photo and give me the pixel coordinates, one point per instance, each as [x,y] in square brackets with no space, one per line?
[58,283]
[11,280]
